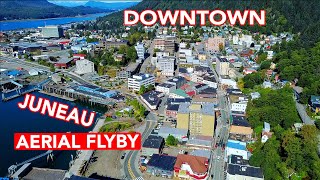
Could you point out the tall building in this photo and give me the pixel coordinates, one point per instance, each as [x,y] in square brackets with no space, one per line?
[214,43]
[222,66]
[140,50]
[138,80]
[166,65]
[84,66]
[198,119]
[52,32]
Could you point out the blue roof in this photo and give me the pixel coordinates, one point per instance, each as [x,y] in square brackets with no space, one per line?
[236,145]
[13,72]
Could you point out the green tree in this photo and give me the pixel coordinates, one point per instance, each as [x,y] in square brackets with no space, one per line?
[142,90]
[171,141]
[52,69]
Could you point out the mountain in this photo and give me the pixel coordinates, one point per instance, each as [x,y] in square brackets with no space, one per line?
[40,9]
[110,5]
[287,15]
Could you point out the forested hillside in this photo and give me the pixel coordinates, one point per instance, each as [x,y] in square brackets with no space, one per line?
[40,9]
[288,15]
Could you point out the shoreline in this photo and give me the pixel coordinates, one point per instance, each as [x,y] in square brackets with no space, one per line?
[81,16]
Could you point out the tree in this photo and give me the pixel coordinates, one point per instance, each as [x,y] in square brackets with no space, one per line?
[221,47]
[52,69]
[142,90]
[265,64]
[171,141]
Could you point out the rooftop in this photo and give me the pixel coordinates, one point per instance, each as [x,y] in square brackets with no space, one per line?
[173,131]
[152,97]
[163,162]
[201,153]
[197,164]
[184,108]
[166,85]
[244,170]
[43,173]
[236,145]
[180,92]
[241,130]
[153,142]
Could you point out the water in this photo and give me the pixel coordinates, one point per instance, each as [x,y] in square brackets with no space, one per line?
[15,120]
[23,24]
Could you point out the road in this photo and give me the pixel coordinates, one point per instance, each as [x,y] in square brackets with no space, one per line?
[131,167]
[303,114]
[147,62]
[217,159]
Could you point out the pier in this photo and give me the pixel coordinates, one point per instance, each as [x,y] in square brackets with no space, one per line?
[19,93]
[13,168]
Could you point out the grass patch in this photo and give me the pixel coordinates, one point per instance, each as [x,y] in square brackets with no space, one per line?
[112,73]
[108,119]
[115,126]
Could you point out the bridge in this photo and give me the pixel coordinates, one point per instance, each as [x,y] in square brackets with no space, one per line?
[13,168]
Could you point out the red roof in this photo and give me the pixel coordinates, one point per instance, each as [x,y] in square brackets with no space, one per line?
[79,55]
[197,163]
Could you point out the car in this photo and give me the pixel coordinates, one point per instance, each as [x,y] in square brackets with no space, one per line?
[123,155]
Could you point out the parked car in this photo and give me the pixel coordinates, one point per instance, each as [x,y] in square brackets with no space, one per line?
[123,155]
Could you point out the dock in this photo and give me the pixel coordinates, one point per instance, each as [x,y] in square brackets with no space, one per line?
[18,94]
[80,164]
[58,96]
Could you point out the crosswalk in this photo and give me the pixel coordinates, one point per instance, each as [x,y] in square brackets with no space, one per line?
[139,178]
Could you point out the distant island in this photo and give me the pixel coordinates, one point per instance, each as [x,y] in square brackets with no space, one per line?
[42,9]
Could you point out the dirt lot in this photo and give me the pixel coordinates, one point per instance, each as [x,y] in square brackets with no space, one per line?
[107,163]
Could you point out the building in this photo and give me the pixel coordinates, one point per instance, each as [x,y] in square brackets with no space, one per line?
[165,88]
[151,99]
[164,44]
[173,106]
[239,169]
[177,81]
[180,134]
[166,65]
[140,50]
[138,80]
[127,72]
[152,145]
[191,167]
[95,91]
[266,134]
[239,148]
[52,32]
[62,63]
[240,133]
[84,66]
[44,173]
[315,103]
[239,106]
[200,142]
[213,44]
[198,119]
[109,44]
[161,165]
[222,66]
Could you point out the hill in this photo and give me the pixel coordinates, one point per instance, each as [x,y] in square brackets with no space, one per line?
[110,5]
[287,15]
[40,9]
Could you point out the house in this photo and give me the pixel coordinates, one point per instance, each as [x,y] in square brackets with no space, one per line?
[235,147]
[255,95]
[152,145]
[239,106]
[161,165]
[239,169]
[180,134]
[266,84]
[241,133]
[266,134]
[315,103]
[191,167]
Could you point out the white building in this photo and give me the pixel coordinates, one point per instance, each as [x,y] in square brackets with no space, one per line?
[269,54]
[165,88]
[84,66]
[235,147]
[222,66]
[246,40]
[140,50]
[138,80]
[52,32]
[228,82]
[166,65]
[240,106]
